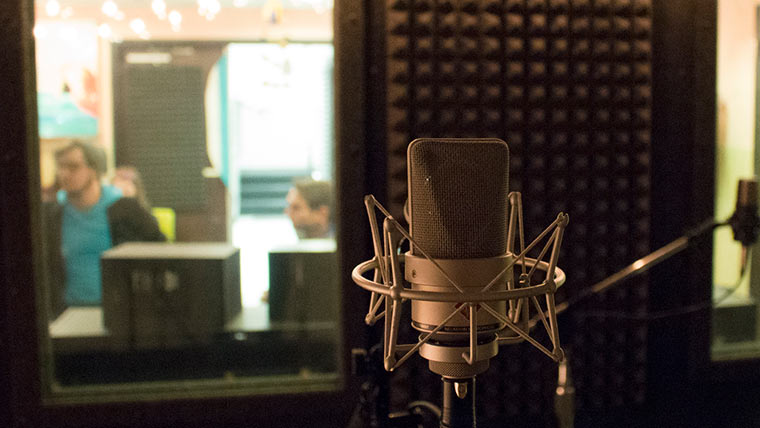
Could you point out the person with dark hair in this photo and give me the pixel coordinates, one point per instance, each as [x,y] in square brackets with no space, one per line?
[310,208]
[86,219]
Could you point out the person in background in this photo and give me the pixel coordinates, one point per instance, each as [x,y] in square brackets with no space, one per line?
[86,219]
[309,208]
[128,179]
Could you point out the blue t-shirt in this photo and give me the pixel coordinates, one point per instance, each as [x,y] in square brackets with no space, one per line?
[85,235]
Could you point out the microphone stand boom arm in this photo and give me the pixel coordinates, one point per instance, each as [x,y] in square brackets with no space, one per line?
[641,265]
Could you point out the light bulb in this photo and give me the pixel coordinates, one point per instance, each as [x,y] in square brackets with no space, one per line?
[52,8]
[175,18]
[40,31]
[104,31]
[137,25]
[159,8]
[110,8]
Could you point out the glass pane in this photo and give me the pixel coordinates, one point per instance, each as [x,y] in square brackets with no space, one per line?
[187,168]
[735,296]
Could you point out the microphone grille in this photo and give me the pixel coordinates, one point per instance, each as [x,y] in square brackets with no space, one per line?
[458,192]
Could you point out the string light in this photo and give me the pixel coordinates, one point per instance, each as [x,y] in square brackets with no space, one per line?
[40,31]
[159,8]
[52,8]
[109,8]
[104,31]
[138,26]
[175,20]
[209,8]
[67,12]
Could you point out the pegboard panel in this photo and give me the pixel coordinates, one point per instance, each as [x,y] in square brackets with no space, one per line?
[163,135]
[568,85]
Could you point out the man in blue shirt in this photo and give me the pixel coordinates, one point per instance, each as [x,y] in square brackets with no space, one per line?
[86,219]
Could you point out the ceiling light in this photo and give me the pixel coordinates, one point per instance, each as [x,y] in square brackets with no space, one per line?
[209,8]
[110,8]
[67,12]
[137,25]
[40,31]
[104,31]
[159,8]
[52,8]
[175,19]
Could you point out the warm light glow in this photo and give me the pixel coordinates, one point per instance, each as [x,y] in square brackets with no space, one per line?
[159,8]
[67,12]
[39,31]
[175,19]
[319,6]
[209,8]
[68,34]
[240,3]
[52,8]
[137,25]
[104,31]
[110,8]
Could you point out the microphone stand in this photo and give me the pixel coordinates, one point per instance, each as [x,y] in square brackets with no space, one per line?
[564,395]
[641,265]
[372,410]
[458,403]
[459,394]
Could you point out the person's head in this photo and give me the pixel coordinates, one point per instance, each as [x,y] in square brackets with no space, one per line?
[309,203]
[79,167]
[128,179]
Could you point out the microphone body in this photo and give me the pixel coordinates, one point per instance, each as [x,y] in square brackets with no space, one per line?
[461,270]
[745,222]
[458,206]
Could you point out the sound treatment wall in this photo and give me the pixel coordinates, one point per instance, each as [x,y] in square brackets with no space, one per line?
[162,135]
[568,85]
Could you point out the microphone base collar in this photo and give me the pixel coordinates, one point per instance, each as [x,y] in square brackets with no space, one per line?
[457,371]
[448,361]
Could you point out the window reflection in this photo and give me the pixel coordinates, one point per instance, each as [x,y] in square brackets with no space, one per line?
[736,324]
[206,246]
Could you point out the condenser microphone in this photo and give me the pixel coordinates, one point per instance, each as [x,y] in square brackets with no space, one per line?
[467,272]
[745,221]
[457,206]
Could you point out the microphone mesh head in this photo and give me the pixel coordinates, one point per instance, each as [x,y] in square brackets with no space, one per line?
[458,197]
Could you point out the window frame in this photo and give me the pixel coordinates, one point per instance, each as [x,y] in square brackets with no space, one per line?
[22,402]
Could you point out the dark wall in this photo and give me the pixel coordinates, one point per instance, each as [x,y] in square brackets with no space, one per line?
[609,111]
[569,86]
[683,163]
[18,145]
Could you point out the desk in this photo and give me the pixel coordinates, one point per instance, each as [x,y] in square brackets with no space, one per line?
[81,328]
[87,321]
[250,345]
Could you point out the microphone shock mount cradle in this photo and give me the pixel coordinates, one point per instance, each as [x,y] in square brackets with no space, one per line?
[501,293]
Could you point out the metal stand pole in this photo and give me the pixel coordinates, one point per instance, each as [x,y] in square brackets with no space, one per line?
[458,403]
